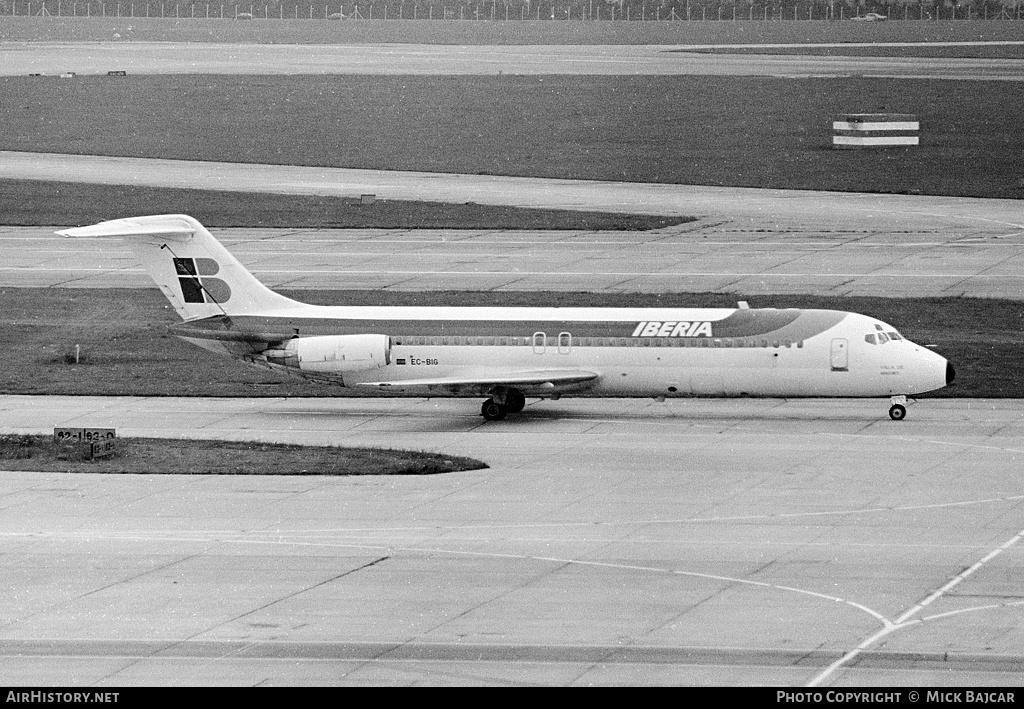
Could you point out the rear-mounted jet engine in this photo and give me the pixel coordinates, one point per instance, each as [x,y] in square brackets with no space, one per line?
[333,354]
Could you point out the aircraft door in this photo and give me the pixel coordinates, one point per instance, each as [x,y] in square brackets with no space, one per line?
[839,358]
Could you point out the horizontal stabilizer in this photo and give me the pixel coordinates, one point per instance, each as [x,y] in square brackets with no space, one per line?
[169,226]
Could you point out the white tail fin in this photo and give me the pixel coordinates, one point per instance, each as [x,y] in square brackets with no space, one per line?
[198,275]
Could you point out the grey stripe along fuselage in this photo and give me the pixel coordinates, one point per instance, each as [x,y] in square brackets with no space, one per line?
[782,325]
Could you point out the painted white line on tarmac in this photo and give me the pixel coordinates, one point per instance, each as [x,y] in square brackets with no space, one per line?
[904,620]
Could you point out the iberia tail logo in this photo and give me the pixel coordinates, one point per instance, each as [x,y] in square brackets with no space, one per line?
[197,284]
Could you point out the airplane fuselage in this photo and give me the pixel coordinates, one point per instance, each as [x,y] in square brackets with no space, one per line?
[633,352]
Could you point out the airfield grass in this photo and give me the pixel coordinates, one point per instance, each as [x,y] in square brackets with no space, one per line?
[461,32]
[42,203]
[125,350]
[206,457]
[769,132]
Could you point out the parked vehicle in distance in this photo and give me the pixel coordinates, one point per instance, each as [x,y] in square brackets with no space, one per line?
[870,17]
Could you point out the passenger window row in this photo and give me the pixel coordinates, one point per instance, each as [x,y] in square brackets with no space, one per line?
[565,341]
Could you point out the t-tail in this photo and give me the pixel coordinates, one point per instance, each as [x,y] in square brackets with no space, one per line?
[198,275]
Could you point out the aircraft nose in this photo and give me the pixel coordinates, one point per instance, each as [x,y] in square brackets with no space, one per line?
[950,373]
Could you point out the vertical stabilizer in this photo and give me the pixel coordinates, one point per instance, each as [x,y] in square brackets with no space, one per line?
[198,275]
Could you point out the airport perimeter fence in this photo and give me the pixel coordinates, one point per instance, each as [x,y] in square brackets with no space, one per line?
[532,10]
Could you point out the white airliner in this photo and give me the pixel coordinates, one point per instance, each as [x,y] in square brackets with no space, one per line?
[509,354]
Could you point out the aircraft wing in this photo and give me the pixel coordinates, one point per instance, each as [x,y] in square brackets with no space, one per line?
[537,383]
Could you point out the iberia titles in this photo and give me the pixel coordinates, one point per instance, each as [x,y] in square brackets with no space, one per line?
[658,328]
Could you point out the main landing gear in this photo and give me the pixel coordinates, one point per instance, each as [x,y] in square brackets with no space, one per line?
[512,402]
[898,410]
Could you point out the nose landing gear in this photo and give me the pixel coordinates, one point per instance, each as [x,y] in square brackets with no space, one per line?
[898,410]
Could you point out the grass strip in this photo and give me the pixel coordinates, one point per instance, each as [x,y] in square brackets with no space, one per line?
[42,203]
[155,456]
[769,132]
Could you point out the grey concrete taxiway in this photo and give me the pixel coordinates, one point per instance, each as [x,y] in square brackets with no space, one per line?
[24,58]
[609,542]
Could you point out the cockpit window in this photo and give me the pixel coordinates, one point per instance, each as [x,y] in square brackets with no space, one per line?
[882,338]
[870,339]
[878,327]
[894,336]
